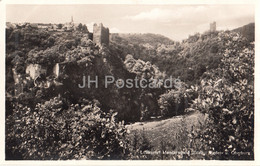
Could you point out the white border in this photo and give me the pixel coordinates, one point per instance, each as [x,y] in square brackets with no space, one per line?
[132,162]
[136,2]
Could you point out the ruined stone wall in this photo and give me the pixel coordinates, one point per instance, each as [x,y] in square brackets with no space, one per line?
[18,83]
[213,27]
[100,34]
[34,70]
[56,70]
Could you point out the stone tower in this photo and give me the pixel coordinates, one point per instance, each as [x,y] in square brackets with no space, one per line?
[100,34]
[212,27]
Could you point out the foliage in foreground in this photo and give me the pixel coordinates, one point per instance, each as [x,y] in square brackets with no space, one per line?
[51,131]
[227,96]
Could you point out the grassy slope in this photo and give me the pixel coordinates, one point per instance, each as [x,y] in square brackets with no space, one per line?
[173,131]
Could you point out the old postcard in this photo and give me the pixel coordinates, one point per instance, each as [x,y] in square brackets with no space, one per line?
[94,81]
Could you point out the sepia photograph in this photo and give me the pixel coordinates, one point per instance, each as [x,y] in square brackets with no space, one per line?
[129,82]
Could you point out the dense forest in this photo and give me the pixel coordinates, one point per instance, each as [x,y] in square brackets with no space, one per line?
[187,59]
[52,118]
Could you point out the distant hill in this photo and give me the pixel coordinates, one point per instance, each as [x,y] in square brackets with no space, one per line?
[187,60]
[247,31]
[134,38]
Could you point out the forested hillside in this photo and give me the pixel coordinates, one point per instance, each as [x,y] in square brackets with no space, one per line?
[248,31]
[188,59]
[147,38]
[51,117]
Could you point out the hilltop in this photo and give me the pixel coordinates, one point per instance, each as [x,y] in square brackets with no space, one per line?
[248,31]
[137,39]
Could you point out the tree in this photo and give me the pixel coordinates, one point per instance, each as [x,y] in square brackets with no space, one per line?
[53,130]
[227,96]
[79,28]
[84,28]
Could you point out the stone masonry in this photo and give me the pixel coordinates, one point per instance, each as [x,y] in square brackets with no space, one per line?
[100,34]
[213,27]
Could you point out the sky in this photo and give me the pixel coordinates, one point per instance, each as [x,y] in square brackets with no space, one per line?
[174,21]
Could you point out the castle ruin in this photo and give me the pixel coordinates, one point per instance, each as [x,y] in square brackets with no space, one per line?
[212,27]
[100,34]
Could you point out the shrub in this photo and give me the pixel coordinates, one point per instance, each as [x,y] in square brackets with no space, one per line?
[175,101]
[227,96]
[139,145]
[50,131]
